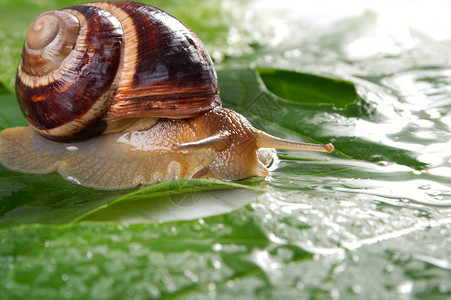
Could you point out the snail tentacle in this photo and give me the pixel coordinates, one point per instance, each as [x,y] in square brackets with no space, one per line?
[265,140]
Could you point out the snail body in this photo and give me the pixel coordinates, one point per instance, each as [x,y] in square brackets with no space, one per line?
[218,144]
[140,107]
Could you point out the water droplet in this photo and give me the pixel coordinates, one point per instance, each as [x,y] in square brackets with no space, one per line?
[72,148]
[300,285]
[424,187]
[193,277]
[212,291]
[217,56]
[434,193]
[268,59]
[46,244]
[389,268]
[340,268]
[217,247]
[231,283]
[405,287]
[335,293]
[356,289]
[345,203]
[292,53]
[443,288]
[65,277]
[217,264]
[89,254]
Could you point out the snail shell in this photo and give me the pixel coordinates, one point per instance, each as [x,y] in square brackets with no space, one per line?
[84,67]
[92,80]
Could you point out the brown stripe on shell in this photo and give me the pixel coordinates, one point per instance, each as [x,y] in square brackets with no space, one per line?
[131,45]
[77,94]
[163,107]
[167,71]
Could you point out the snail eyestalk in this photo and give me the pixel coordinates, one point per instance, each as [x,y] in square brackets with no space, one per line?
[265,140]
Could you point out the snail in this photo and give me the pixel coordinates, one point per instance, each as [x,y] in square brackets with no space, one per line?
[121,94]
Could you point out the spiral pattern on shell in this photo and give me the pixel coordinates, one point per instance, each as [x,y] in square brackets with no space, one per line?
[87,65]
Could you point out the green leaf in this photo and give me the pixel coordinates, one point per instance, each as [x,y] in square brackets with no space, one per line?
[103,261]
[307,88]
[254,251]
[28,199]
[10,115]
